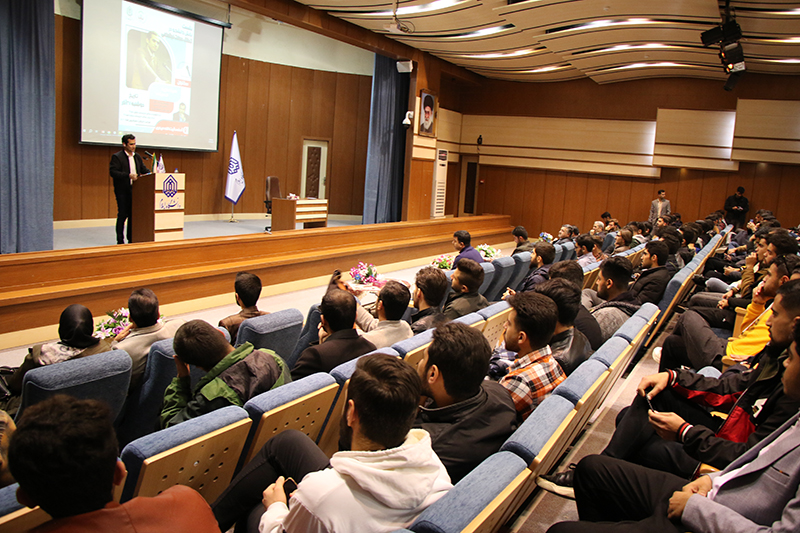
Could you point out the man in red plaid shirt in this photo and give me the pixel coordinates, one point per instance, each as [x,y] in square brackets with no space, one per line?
[534,372]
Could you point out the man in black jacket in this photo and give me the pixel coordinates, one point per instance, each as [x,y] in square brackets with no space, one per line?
[653,280]
[125,167]
[468,418]
[736,208]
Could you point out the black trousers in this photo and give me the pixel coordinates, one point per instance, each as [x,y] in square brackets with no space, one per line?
[288,454]
[635,440]
[613,495]
[692,344]
[124,208]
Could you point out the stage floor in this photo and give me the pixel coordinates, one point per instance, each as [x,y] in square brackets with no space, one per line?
[88,237]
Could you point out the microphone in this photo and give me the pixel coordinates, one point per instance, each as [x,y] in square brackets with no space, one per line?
[148,154]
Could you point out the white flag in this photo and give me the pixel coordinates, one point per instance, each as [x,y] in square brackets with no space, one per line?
[235,185]
[161,168]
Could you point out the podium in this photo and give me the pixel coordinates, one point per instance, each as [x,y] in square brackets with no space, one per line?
[158,206]
[311,213]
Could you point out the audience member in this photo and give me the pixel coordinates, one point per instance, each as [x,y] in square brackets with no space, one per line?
[542,259]
[584,248]
[521,240]
[673,239]
[564,234]
[756,491]
[659,207]
[623,241]
[248,290]
[613,303]
[467,417]
[584,321]
[75,329]
[389,327]
[598,229]
[606,217]
[64,457]
[597,251]
[430,287]
[233,376]
[338,315]
[534,373]
[7,429]
[568,345]
[461,242]
[385,475]
[466,279]
[652,282]
[146,327]
[736,208]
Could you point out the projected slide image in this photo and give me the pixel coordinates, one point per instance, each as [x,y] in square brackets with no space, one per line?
[155,76]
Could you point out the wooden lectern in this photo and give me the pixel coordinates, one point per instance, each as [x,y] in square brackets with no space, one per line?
[158,205]
[286,213]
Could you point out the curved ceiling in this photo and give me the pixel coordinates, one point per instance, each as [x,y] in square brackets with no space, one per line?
[605,40]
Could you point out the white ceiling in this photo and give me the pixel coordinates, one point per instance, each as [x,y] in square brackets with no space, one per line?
[605,40]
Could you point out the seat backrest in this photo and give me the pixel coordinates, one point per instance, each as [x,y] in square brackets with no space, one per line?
[559,253]
[302,405]
[479,500]
[495,316]
[539,440]
[503,268]
[411,350]
[103,376]
[308,335]
[201,453]
[472,319]
[569,251]
[16,517]
[608,240]
[143,405]
[488,276]
[273,188]
[278,331]
[522,262]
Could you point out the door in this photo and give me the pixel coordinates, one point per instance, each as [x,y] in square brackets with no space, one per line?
[313,180]
[468,195]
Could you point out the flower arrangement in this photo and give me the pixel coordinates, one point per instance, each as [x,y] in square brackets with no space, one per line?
[117,320]
[487,251]
[546,237]
[364,273]
[444,261]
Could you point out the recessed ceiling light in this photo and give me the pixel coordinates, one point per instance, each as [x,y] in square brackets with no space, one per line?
[504,55]
[550,68]
[485,32]
[416,10]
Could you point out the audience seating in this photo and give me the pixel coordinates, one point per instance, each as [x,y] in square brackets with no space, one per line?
[302,405]
[584,388]
[411,349]
[14,517]
[278,331]
[308,335]
[569,251]
[590,273]
[503,269]
[480,501]
[608,240]
[488,276]
[143,406]
[522,263]
[495,316]
[560,255]
[103,376]
[201,453]
[472,319]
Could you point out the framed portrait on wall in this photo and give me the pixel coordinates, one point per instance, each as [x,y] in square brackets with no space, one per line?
[428,109]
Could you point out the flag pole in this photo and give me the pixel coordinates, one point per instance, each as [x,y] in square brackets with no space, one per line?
[233,220]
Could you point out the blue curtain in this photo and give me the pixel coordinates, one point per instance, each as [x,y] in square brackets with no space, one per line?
[27,124]
[383,187]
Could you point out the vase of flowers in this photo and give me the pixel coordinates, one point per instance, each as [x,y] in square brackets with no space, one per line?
[117,320]
[546,237]
[364,273]
[444,261]
[487,252]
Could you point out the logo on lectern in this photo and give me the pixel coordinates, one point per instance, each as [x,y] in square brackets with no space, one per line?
[170,186]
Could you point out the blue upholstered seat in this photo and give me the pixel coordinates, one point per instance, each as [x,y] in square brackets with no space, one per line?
[559,253]
[278,331]
[469,319]
[343,372]
[488,276]
[308,335]
[631,328]
[575,386]
[103,376]
[8,499]
[522,263]
[420,339]
[497,307]
[456,509]
[672,288]
[135,453]
[527,441]
[503,269]
[646,311]
[569,251]
[610,351]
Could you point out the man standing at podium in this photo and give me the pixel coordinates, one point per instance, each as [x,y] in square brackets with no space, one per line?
[125,168]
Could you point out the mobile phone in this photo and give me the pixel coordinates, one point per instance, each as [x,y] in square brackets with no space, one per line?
[289,486]
[650,403]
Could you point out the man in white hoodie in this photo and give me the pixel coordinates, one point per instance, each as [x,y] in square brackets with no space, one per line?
[389,476]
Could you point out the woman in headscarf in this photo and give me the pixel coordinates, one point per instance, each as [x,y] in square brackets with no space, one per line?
[75,328]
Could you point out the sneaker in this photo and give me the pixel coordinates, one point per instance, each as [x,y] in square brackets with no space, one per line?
[560,483]
[657,354]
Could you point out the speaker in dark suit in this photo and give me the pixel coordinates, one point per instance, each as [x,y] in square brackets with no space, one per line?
[123,175]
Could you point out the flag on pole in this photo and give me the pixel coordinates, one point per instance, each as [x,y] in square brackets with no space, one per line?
[161,168]
[235,185]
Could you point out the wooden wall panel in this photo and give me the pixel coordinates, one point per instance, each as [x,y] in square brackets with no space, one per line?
[272,107]
[419,194]
[553,209]
[453,189]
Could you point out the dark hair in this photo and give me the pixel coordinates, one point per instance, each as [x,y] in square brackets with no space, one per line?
[646,227]
[128,137]
[689,234]
[661,190]
[463,237]
[566,295]
[785,264]
[339,309]
[659,250]
[791,295]
[395,297]
[783,242]
[671,237]
[764,213]
[432,282]
[627,236]
[573,229]
[386,392]
[585,240]
[143,307]
[200,344]
[471,274]
[248,287]
[76,327]
[546,251]
[568,270]
[618,269]
[762,233]
[605,214]
[462,354]
[520,231]
[536,316]
[63,455]
[740,190]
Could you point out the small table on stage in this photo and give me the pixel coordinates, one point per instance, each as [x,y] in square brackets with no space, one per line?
[311,213]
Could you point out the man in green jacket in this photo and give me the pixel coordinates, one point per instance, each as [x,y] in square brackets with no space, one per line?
[233,375]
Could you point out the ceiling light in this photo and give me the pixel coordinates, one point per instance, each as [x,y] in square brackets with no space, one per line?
[550,68]
[485,32]
[503,55]
[415,10]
